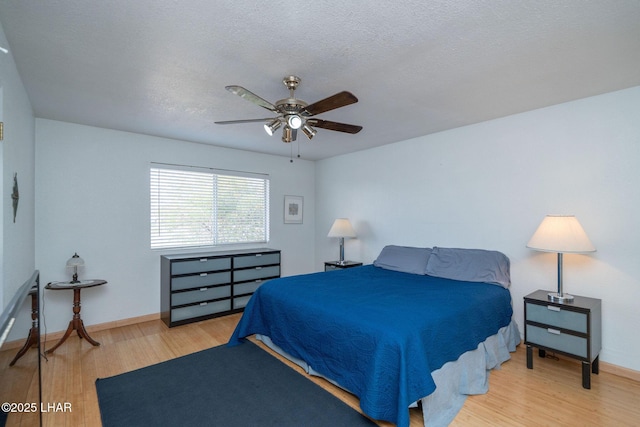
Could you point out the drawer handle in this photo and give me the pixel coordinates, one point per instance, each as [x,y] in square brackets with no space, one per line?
[553,331]
[258,280]
[203,274]
[553,308]
[203,289]
[203,260]
[203,304]
[258,268]
[258,254]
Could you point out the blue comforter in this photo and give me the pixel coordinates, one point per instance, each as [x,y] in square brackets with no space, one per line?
[378,333]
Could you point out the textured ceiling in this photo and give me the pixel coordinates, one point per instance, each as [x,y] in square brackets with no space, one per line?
[159,67]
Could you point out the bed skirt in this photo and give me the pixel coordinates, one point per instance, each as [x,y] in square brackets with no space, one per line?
[454,381]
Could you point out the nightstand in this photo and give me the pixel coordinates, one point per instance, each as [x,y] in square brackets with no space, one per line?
[335,265]
[571,329]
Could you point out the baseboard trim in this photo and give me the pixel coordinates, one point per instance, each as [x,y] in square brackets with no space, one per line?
[108,325]
[609,368]
[620,371]
[124,322]
[54,336]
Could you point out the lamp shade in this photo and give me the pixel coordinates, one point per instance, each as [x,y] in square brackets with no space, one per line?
[561,234]
[341,228]
[75,261]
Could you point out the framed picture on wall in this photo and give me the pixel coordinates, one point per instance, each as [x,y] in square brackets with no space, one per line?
[293,209]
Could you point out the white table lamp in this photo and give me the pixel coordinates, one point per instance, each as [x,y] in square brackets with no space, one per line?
[561,234]
[341,228]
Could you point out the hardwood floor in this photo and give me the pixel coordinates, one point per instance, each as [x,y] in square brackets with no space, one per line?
[549,395]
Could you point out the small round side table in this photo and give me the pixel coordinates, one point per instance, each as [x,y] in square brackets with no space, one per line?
[76,323]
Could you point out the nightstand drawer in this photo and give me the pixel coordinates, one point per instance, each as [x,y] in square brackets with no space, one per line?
[554,339]
[556,316]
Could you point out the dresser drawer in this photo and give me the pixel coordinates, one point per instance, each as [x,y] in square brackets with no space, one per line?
[203,309]
[256,273]
[241,302]
[202,294]
[247,288]
[200,280]
[200,265]
[554,339]
[558,317]
[255,260]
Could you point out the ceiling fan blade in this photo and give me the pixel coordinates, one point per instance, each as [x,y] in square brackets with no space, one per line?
[230,122]
[251,97]
[340,127]
[335,101]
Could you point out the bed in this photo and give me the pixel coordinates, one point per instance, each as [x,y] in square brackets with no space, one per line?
[419,324]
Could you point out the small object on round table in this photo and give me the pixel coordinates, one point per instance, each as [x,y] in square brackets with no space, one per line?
[76,323]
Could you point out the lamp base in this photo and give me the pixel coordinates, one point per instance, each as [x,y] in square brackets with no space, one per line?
[556,297]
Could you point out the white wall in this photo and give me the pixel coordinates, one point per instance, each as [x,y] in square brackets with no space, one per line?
[92,196]
[17,247]
[489,185]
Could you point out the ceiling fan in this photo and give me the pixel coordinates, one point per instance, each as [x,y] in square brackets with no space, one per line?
[296,114]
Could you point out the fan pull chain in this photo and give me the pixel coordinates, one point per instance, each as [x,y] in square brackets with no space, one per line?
[298,148]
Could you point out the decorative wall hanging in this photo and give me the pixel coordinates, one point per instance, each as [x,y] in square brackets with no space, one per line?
[293,209]
[15,196]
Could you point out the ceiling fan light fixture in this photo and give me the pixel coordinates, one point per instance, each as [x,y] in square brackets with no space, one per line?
[271,127]
[309,131]
[287,134]
[294,121]
[293,113]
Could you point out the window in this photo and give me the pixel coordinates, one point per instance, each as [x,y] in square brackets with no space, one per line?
[204,207]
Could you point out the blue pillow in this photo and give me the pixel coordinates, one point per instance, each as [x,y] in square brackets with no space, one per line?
[470,265]
[404,259]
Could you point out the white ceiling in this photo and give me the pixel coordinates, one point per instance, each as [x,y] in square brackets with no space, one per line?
[159,67]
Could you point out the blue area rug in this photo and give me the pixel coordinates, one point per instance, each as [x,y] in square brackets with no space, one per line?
[223,386]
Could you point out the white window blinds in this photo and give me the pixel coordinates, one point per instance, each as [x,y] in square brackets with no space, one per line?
[206,207]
